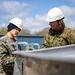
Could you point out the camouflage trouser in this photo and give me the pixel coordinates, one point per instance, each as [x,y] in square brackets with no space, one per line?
[8,70]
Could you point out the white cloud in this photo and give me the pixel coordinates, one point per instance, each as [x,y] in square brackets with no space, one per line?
[68,11]
[72,1]
[70,23]
[35,24]
[12,9]
[3,25]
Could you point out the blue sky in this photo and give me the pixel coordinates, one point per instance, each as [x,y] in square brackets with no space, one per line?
[34,12]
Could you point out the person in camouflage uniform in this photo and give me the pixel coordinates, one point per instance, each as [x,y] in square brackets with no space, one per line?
[6,57]
[58,34]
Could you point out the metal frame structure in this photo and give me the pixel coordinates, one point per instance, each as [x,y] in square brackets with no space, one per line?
[33,62]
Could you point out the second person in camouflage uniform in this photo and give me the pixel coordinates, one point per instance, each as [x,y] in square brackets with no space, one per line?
[58,34]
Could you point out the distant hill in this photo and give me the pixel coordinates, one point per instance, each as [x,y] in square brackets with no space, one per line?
[25,32]
[42,32]
[45,30]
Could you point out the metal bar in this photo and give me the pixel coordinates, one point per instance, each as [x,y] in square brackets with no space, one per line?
[63,54]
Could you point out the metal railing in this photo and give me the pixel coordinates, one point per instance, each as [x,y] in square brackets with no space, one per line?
[19,68]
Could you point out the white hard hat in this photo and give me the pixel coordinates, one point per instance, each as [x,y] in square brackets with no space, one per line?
[54,14]
[17,22]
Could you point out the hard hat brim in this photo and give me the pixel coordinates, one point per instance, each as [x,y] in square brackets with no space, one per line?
[51,20]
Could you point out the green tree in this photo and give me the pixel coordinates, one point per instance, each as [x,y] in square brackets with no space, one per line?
[24,32]
[3,30]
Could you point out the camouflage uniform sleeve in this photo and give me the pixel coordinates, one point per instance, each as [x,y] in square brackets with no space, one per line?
[0,65]
[71,37]
[1,57]
[5,56]
[46,42]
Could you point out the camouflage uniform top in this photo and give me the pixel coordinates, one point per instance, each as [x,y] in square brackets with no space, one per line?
[65,38]
[6,57]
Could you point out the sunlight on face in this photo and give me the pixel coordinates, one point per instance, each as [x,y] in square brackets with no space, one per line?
[14,32]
